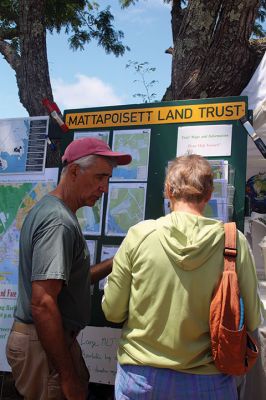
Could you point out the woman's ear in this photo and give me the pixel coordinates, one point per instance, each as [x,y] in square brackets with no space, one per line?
[168,192]
[209,195]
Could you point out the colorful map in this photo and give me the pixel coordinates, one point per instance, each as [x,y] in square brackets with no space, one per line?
[90,218]
[17,198]
[137,143]
[125,207]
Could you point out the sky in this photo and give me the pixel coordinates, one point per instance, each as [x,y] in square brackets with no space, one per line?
[91,78]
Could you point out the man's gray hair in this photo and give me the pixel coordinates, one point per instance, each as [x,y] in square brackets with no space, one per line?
[87,161]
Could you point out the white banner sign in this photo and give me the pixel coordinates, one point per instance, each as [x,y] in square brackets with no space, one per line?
[205,140]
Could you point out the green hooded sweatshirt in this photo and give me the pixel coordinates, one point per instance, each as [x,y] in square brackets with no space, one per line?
[161,286]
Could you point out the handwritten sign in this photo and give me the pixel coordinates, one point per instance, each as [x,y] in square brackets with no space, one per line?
[99,347]
[205,140]
[8,295]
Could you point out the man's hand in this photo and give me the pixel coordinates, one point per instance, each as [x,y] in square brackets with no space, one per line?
[101,270]
[73,389]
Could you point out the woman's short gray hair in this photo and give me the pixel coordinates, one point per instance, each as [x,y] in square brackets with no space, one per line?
[189,178]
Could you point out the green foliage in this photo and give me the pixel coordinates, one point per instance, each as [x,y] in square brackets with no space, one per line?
[258,30]
[127,3]
[81,20]
[142,69]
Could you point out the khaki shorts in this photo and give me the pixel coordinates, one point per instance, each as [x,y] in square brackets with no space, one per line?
[35,378]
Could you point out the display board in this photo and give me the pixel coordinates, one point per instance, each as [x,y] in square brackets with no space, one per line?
[155,134]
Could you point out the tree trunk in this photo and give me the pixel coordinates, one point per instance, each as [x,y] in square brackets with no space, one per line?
[32,73]
[212,55]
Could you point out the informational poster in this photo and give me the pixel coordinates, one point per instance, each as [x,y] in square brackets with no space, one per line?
[205,140]
[137,143]
[18,195]
[23,144]
[99,349]
[107,252]
[125,207]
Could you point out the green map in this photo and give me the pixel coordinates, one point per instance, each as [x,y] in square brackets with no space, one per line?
[125,208]
[90,218]
[137,143]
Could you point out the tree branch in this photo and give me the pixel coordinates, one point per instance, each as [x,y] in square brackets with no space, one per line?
[10,54]
[258,46]
[8,33]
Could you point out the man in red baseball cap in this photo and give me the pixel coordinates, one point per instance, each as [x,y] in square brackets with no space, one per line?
[53,302]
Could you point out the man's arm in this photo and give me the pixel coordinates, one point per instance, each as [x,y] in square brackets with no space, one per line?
[101,270]
[48,322]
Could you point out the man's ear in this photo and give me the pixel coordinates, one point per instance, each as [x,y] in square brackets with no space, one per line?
[73,171]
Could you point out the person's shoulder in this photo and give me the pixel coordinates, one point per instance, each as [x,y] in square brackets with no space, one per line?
[241,238]
[139,232]
[50,211]
[146,226]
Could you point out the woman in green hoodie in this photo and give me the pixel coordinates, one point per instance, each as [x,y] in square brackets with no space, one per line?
[161,286]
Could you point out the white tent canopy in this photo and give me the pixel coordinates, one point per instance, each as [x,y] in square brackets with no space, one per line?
[256,92]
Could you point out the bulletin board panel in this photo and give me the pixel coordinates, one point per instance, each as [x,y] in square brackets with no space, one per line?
[164,120]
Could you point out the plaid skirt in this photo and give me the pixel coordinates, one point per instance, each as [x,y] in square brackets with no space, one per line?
[135,382]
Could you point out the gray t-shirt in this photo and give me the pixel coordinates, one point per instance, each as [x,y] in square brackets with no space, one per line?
[52,247]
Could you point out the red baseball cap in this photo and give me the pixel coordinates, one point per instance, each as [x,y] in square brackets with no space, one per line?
[87,146]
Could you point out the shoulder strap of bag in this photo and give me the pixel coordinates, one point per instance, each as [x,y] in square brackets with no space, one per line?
[230,250]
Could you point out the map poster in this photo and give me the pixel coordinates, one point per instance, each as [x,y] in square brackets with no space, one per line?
[92,250]
[137,143]
[125,207]
[18,195]
[107,252]
[92,245]
[102,135]
[90,218]
[23,144]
